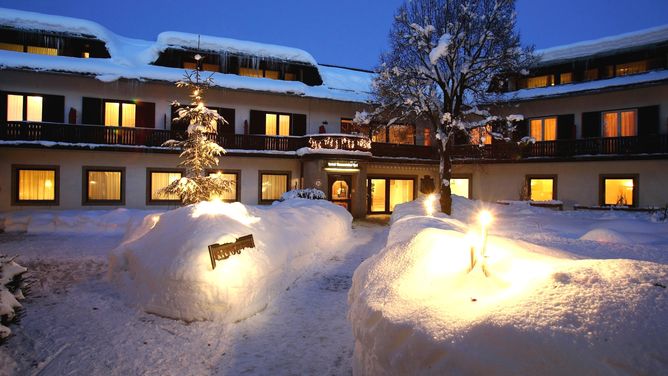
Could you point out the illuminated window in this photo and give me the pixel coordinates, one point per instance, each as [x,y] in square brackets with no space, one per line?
[103,185]
[120,114]
[377,204]
[42,50]
[273,185]
[24,107]
[619,191]
[540,81]
[158,180]
[427,137]
[191,65]
[233,178]
[11,47]
[541,189]
[543,129]
[386,193]
[271,74]
[631,68]
[566,78]
[481,136]
[620,123]
[35,185]
[277,124]
[250,72]
[401,134]
[290,76]
[85,55]
[461,187]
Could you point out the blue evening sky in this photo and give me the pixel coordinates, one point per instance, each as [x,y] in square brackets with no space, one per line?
[342,32]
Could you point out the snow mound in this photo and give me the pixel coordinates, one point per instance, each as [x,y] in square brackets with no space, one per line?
[307,193]
[415,307]
[164,265]
[116,221]
[10,294]
[606,235]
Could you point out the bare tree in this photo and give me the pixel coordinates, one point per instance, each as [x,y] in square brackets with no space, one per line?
[444,56]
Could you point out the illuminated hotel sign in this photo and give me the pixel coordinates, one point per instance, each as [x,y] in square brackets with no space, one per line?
[342,166]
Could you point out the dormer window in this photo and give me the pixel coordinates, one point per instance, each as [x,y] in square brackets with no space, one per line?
[631,68]
[51,43]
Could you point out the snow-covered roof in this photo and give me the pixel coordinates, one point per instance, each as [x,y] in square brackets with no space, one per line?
[604,46]
[132,58]
[582,87]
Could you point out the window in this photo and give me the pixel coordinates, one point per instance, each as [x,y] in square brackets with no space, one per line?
[35,185]
[233,178]
[540,81]
[119,114]
[24,107]
[542,188]
[29,49]
[566,78]
[157,179]
[631,68]
[395,134]
[427,137]
[591,74]
[481,136]
[266,73]
[191,65]
[103,185]
[273,185]
[290,76]
[386,193]
[277,124]
[619,190]
[461,186]
[543,129]
[620,123]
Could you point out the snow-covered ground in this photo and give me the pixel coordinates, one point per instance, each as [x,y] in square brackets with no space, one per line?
[77,322]
[557,293]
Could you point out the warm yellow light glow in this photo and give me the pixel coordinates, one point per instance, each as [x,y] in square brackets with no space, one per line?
[429,205]
[235,211]
[48,184]
[485,218]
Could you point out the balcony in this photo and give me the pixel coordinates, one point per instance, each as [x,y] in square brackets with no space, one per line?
[86,135]
[581,148]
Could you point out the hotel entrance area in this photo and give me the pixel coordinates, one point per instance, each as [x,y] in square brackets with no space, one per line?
[340,187]
[387,192]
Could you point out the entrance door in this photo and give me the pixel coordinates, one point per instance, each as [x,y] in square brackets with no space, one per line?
[339,190]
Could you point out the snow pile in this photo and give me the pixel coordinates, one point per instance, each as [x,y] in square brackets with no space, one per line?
[164,264]
[606,235]
[10,293]
[116,221]
[307,193]
[416,308]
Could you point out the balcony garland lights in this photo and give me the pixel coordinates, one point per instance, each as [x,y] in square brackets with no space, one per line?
[340,143]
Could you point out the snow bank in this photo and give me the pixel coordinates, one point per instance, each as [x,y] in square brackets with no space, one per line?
[116,221]
[416,309]
[605,235]
[9,295]
[164,264]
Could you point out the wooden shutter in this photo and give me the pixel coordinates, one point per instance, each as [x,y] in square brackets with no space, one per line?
[91,111]
[521,130]
[228,115]
[566,127]
[257,122]
[591,124]
[53,109]
[298,125]
[3,106]
[145,117]
[648,120]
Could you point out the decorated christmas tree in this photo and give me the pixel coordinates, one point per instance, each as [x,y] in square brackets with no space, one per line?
[199,152]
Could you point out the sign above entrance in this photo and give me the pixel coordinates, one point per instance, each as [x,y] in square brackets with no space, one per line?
[342,166]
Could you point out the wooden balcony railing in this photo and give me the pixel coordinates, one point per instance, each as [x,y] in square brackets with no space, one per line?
[100,135]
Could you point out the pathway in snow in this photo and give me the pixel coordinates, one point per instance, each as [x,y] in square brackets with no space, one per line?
[75,321]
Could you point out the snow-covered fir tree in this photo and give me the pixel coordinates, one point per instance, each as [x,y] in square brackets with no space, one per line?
[443,57]
[199,152]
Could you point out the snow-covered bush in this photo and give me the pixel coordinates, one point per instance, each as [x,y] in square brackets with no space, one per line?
[164,264]
[307,193]
[417,308]
[10,292]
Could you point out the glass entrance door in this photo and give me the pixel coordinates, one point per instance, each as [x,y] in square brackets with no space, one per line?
[339,190]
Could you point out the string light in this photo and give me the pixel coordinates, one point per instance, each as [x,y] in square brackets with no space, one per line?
[342,143]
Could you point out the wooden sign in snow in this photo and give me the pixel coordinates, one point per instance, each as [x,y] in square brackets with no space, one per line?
[220,252]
